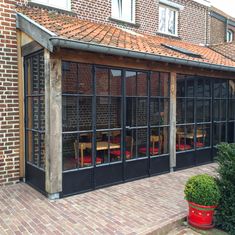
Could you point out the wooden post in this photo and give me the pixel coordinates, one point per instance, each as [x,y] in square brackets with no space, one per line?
[172,121]
[21,103]
[53,117]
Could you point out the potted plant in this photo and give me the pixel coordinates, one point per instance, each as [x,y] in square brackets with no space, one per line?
[202,194]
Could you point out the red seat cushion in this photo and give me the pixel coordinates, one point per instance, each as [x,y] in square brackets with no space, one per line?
[152,150]
[199,144]
[183,147]
[88,159]
[117,153]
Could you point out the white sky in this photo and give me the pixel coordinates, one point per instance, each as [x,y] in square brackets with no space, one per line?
[228,6]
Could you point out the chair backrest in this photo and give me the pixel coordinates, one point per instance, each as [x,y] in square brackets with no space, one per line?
[130,143]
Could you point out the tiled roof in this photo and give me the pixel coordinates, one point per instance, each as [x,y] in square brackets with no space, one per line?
[71,27]
[226,49]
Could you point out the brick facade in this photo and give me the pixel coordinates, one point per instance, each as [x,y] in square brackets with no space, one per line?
[9,108]
[192,25]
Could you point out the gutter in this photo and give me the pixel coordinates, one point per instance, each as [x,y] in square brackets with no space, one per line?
[94,47]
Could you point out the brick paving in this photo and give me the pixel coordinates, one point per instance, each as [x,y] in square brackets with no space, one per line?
[137,207]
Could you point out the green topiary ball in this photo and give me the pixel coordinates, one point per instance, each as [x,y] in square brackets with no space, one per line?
[202,190]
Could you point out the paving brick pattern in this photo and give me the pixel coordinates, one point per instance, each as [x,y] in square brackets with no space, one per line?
[137,207]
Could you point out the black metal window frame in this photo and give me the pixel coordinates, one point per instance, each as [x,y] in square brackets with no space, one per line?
[195,98]
[123,121]
[30,96]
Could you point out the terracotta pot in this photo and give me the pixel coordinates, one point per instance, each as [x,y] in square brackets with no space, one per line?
[201,216]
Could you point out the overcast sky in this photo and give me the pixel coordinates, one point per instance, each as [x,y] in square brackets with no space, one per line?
[228,6]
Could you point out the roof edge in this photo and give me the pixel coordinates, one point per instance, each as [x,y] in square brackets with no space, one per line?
[93,47]
[39,33]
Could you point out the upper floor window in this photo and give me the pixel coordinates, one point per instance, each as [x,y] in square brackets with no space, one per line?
[229,35]
[168,20]
[124,10]
[61,4]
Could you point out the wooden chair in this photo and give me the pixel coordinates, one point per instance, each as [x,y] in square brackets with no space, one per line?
[128,154]
[152,149]
[84,160]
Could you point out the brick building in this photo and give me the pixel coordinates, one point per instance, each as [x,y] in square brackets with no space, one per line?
[50,62]
[222,27]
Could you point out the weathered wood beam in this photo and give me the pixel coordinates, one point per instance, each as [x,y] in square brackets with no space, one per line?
[21,103]
[53,116]
[31,48]
[172,120]
[109,60]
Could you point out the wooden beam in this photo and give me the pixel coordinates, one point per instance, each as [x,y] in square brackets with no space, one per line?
[172,120]
[21,103]
[53,116]
[109,60]
[30,48]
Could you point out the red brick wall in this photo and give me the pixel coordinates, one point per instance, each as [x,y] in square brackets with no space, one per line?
[192,19]
[9,108]
[217,33]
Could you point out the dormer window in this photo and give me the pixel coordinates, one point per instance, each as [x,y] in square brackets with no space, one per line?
[124,10]
[168,20]
[229,35]
[60,4]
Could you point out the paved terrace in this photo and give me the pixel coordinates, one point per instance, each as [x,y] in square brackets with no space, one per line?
[137,207]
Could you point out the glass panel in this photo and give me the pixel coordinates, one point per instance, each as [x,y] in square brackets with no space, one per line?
[155,84]
[164,111]
[223,109]
[29,145]
[171,21]
[217,85]
[115,112]
[70,83]
[42,149]
[142,84]
[231,89]
[115,82]
[85,85]
[115,145]
[164,84]
[131,111]
[162,19]
[207,88]
[164,140]
[102,81]
[141,112]
[189,110]
[180,110]
[127,10]
[231,132]
[200,87]
[231,109]
[219,133]
[141,142]
[130,151]
[207,110]
[155,141]
[199,110]
[116,9]
[190,86]
[202,136]
[185,138]
[216,107]
[42,113]
[102,112]
[77,151]
[154,112]
[224,89]
[130,83]
[180,86]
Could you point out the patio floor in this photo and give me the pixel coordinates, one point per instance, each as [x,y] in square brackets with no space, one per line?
[137,207]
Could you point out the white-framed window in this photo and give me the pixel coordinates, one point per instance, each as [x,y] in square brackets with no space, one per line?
[168,20]
[61,4]
[229,35]
[124,10]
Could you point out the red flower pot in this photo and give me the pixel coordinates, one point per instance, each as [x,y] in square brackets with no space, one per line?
[201,216]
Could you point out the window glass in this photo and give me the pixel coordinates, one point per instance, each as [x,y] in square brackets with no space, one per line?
[168,18]
[229,36]
[123,10]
